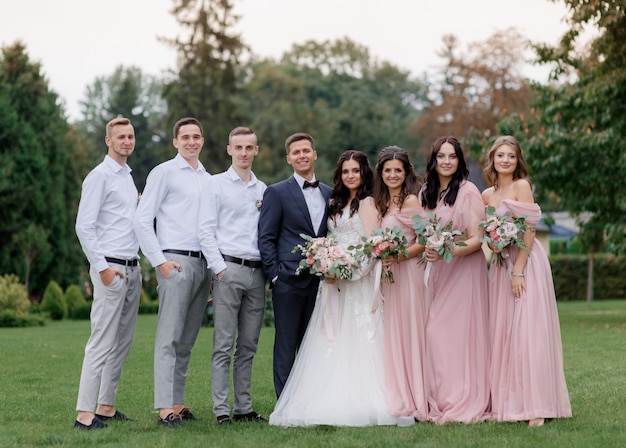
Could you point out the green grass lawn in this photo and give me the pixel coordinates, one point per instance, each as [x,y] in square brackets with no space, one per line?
[40,369]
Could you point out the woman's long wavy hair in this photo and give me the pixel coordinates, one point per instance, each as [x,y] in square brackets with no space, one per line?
[409,186]
[521,170]
[341,194]
[430,193]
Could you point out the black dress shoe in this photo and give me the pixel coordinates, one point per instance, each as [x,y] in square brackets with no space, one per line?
[249,417]
[117,416]
[171,421]
[223,420]
[186,414]
[96,423]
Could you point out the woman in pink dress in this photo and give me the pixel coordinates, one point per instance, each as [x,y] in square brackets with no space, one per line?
[457,341]
[527,379]
[405,307]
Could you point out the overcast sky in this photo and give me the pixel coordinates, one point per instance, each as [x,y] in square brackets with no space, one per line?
[78,40]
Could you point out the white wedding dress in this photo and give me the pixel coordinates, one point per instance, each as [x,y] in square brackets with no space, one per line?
[338,377]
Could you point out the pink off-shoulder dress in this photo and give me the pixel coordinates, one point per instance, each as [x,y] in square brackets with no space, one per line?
[527,379]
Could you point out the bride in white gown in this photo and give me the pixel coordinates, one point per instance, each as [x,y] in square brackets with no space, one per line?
[338,377]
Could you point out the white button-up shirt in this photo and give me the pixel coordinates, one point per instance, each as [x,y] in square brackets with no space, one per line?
[314,202]
[104,224]
[228,218]
[172,196]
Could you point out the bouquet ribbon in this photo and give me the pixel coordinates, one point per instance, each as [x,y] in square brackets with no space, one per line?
[378,295]
[330,304]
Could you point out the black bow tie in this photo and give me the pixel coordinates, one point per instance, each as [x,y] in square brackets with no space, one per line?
[308,184]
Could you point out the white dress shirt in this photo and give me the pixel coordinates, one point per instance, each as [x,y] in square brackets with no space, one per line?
[104,223]
[229,217]
[314,201]
[172,196]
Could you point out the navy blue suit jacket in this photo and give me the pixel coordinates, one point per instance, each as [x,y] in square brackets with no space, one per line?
[284,216]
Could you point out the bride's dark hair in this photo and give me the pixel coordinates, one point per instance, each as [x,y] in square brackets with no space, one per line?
[340,194]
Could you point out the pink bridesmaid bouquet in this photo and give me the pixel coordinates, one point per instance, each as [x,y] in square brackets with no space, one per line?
[381,244]
[502,231]
[323,257]
[433,235]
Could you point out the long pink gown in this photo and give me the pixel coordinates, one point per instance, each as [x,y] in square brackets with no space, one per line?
[405,312]
[527,379]
[457,339]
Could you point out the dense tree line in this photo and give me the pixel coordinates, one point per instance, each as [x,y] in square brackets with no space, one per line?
[333,89]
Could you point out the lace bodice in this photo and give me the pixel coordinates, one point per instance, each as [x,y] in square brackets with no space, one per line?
[347,230]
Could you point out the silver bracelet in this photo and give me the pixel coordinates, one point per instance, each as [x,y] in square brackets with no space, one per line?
[513,274]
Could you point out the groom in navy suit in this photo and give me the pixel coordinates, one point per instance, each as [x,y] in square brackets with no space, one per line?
[294,206]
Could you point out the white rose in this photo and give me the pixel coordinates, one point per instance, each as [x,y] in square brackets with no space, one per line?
[435,242]
[510,230]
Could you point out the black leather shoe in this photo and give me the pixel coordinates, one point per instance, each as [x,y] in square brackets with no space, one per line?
[117,416]
[172,420]
[186,414]
[96,423]
[223,420]
[249,417]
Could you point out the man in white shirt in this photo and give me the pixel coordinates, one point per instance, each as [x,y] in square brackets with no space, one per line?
[172,196]
[229,216]
[104,228]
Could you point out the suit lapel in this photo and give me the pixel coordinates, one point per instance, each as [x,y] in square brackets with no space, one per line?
[298,197]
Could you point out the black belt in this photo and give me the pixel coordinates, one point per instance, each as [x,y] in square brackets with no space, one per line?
[187,253]
[132,262]
[242,262]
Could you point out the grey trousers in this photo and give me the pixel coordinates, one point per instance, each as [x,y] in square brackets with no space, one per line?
[183,299]
[113,318]
[238,308]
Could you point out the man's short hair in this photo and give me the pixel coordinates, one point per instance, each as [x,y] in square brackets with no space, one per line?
[240,130]
[184,122]
[119,121]
[296,138]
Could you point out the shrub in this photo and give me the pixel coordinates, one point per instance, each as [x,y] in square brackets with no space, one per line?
[81,312]
[13,295]
[9,318]
[53,301]
[74,297]
[150,308]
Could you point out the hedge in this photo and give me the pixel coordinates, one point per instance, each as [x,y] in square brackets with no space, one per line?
[570,276]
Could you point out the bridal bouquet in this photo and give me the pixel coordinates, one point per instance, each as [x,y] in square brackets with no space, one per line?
[502,231]
[433,235]
[323,257]
[381,244]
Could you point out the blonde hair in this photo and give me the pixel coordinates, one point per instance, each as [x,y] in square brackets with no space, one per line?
[119,121]
[521,170]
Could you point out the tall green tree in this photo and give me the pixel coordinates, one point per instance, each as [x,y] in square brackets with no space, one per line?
[207,79]
[576,140]
[131,93]
[40,178]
